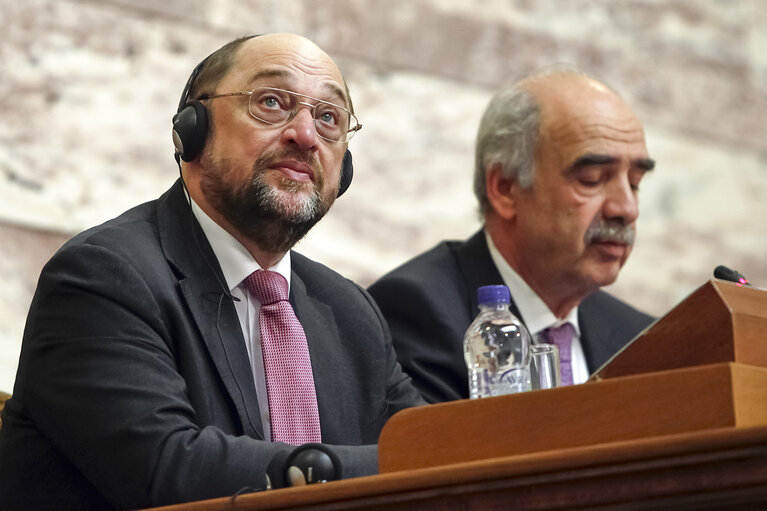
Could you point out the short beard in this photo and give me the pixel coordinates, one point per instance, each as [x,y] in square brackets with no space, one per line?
[274,218]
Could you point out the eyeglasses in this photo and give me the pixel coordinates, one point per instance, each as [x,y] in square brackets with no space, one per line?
[277,107]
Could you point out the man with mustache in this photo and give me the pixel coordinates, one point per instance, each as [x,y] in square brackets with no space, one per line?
[182,351]
[559,160]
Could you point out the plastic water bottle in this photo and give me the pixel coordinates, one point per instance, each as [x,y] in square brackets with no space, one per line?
[496,347]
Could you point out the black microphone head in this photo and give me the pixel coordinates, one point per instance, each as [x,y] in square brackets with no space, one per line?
[310,464]
[306,464]
[725,273]
[275,471]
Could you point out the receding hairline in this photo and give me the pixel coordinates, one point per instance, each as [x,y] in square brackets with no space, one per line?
[562,93]
[340,91]
[543,76]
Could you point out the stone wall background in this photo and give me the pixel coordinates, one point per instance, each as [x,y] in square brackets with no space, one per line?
[88,87]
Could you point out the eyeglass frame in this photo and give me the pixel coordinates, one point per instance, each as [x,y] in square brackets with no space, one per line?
[312,107]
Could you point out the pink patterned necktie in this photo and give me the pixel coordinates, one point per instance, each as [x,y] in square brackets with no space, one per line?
[562,337]
[289,380]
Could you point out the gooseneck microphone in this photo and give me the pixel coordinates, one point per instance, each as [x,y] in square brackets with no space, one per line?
[725,273]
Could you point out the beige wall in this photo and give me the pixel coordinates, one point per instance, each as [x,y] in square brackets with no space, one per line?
[87,90]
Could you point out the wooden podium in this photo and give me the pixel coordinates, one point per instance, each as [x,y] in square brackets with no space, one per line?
[676,420]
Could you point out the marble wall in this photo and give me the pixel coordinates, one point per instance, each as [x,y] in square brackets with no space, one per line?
[88,87]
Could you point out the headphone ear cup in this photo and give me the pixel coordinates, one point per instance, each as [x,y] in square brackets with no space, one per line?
[347,172]
[190,128]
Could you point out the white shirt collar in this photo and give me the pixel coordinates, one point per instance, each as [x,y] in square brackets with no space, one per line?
[235,260]
[535,314]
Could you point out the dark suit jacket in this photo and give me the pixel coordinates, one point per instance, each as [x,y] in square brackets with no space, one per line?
[431,300]
[134,387]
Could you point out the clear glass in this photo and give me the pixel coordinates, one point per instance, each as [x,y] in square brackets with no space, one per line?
[276,107]
[497,353]
[544,366]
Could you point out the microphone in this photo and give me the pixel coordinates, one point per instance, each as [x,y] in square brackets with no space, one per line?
[306,464]
[725,273]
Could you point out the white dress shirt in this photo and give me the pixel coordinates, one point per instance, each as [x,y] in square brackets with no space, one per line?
[536,315]
[237,264]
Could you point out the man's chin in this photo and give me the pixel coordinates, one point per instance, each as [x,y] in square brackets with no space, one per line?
[287,185]
[291,204]
[604,274]
[601,271]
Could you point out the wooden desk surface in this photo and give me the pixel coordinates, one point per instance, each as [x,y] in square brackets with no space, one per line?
[714,469]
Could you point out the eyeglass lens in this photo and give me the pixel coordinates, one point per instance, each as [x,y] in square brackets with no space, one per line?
[275,106]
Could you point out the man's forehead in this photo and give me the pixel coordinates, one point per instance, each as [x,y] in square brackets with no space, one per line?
[286,78]
[598,123]
[298,61]
[292,51]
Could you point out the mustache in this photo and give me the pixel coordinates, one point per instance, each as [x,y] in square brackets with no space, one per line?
[610,231]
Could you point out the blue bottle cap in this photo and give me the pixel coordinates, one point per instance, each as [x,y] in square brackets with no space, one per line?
[488,295]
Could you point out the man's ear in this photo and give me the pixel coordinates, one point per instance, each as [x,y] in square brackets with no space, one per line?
[501,192]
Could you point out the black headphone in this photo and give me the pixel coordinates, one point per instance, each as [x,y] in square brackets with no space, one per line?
[190,128]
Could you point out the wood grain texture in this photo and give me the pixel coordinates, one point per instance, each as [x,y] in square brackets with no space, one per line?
[722,469]
[617,409]
[718,322]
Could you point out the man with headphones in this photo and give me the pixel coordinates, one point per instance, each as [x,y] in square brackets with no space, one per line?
[182,351]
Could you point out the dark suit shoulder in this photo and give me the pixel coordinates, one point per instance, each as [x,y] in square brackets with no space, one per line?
[426,303]
[137,225]
[605,303]
[436,270]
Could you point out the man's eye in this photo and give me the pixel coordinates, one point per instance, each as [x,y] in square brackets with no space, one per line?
[590,176]
[271,102]
[590,179]
[635,179]
[328,117]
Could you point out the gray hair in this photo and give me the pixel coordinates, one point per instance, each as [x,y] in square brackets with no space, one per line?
[509,129]
[508,134]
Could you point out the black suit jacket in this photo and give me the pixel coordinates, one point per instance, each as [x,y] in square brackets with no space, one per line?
[134,387]
[431,300]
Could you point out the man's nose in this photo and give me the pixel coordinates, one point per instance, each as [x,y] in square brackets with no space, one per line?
[621,202]
[301,128]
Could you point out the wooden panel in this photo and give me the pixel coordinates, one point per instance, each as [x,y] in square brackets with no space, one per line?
[716,469]
[631,407]
[750,395]
[748,307]
[719,322]
[675,340]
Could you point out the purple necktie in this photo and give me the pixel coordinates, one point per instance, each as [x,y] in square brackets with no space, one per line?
[562,337]
[289,380]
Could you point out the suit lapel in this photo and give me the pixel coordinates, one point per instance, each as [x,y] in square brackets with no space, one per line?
[478,269]
[593,336]
[200,281]
[600,337]
[338,419]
